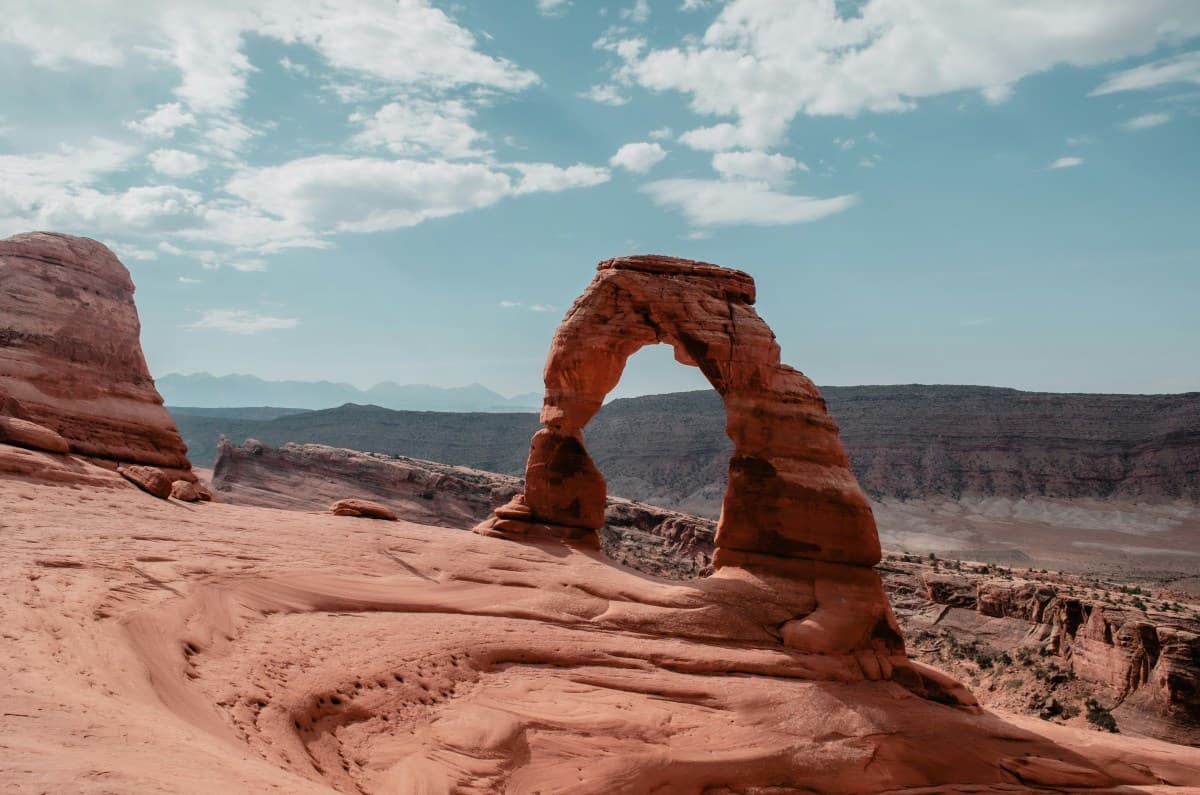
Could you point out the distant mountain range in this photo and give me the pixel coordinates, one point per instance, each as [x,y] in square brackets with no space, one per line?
[202,390]
[905,442]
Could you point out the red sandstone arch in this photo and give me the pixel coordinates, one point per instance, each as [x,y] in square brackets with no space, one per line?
[795,528]
[791,492]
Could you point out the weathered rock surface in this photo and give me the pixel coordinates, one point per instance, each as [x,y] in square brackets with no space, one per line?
[257,650]
[71,355]
[1143,662]
[365,509]
[308,477]
[24,433]
[792,511]
[148,479]
[186,491]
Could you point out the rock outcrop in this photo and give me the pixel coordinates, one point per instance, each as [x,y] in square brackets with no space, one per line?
[71,355]
[186,491]
[1143,661]
[24,433]
[792,511]
[148,479]
[363,509]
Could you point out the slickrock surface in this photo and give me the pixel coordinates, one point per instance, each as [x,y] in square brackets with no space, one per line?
[792,506]
[168,647]
[71,355]
[307,477]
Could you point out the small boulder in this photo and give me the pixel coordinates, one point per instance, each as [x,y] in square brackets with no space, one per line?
[363,508]
[185,491]
[148,479]
[23,433]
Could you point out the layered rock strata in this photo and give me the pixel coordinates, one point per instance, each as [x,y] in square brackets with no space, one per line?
[71,355]
[792,510]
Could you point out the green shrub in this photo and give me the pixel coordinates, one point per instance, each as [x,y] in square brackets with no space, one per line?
[1100,716]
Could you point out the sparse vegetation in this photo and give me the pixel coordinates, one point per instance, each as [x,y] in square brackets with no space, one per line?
[1101,717]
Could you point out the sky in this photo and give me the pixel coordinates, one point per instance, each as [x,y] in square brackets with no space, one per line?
[1001,192]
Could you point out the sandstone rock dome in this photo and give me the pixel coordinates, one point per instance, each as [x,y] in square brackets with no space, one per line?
[71,354]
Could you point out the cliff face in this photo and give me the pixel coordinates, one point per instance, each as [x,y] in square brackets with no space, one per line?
[1137,657]
[71,353]
[904,442]
[920,441]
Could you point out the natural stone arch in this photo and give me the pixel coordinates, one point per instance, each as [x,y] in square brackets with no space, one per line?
[793,519]
[791,492]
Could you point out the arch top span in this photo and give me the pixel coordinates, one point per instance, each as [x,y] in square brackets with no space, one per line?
[791,493]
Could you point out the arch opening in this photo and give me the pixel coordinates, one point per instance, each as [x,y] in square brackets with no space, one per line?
[664,445]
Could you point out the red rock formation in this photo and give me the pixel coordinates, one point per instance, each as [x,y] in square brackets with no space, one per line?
[70,353]
[148,479]
[186,491]
[364,509]
[24,433]
[792,512]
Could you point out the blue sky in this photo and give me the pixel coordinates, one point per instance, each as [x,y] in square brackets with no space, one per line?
[935,191]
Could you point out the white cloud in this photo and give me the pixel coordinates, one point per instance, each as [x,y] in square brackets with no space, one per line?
[187,280]
[763,62]
[1183,68]
[693,5]
[605,94]
[638,157]
[407,43]
[707,203]
[552,8]
[58,190]
[1080,140]
[239,321]
[175,163]
[661,134]
[1066,162]
[531,307]
[421,127]
[226,137]
[214,260]
[163,121]
[302,200]
[291,67]
[720,137]
[549,178]
[997,95]
[638,13]
[1146,121]
[169,248]
[127,251]
[755,165]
